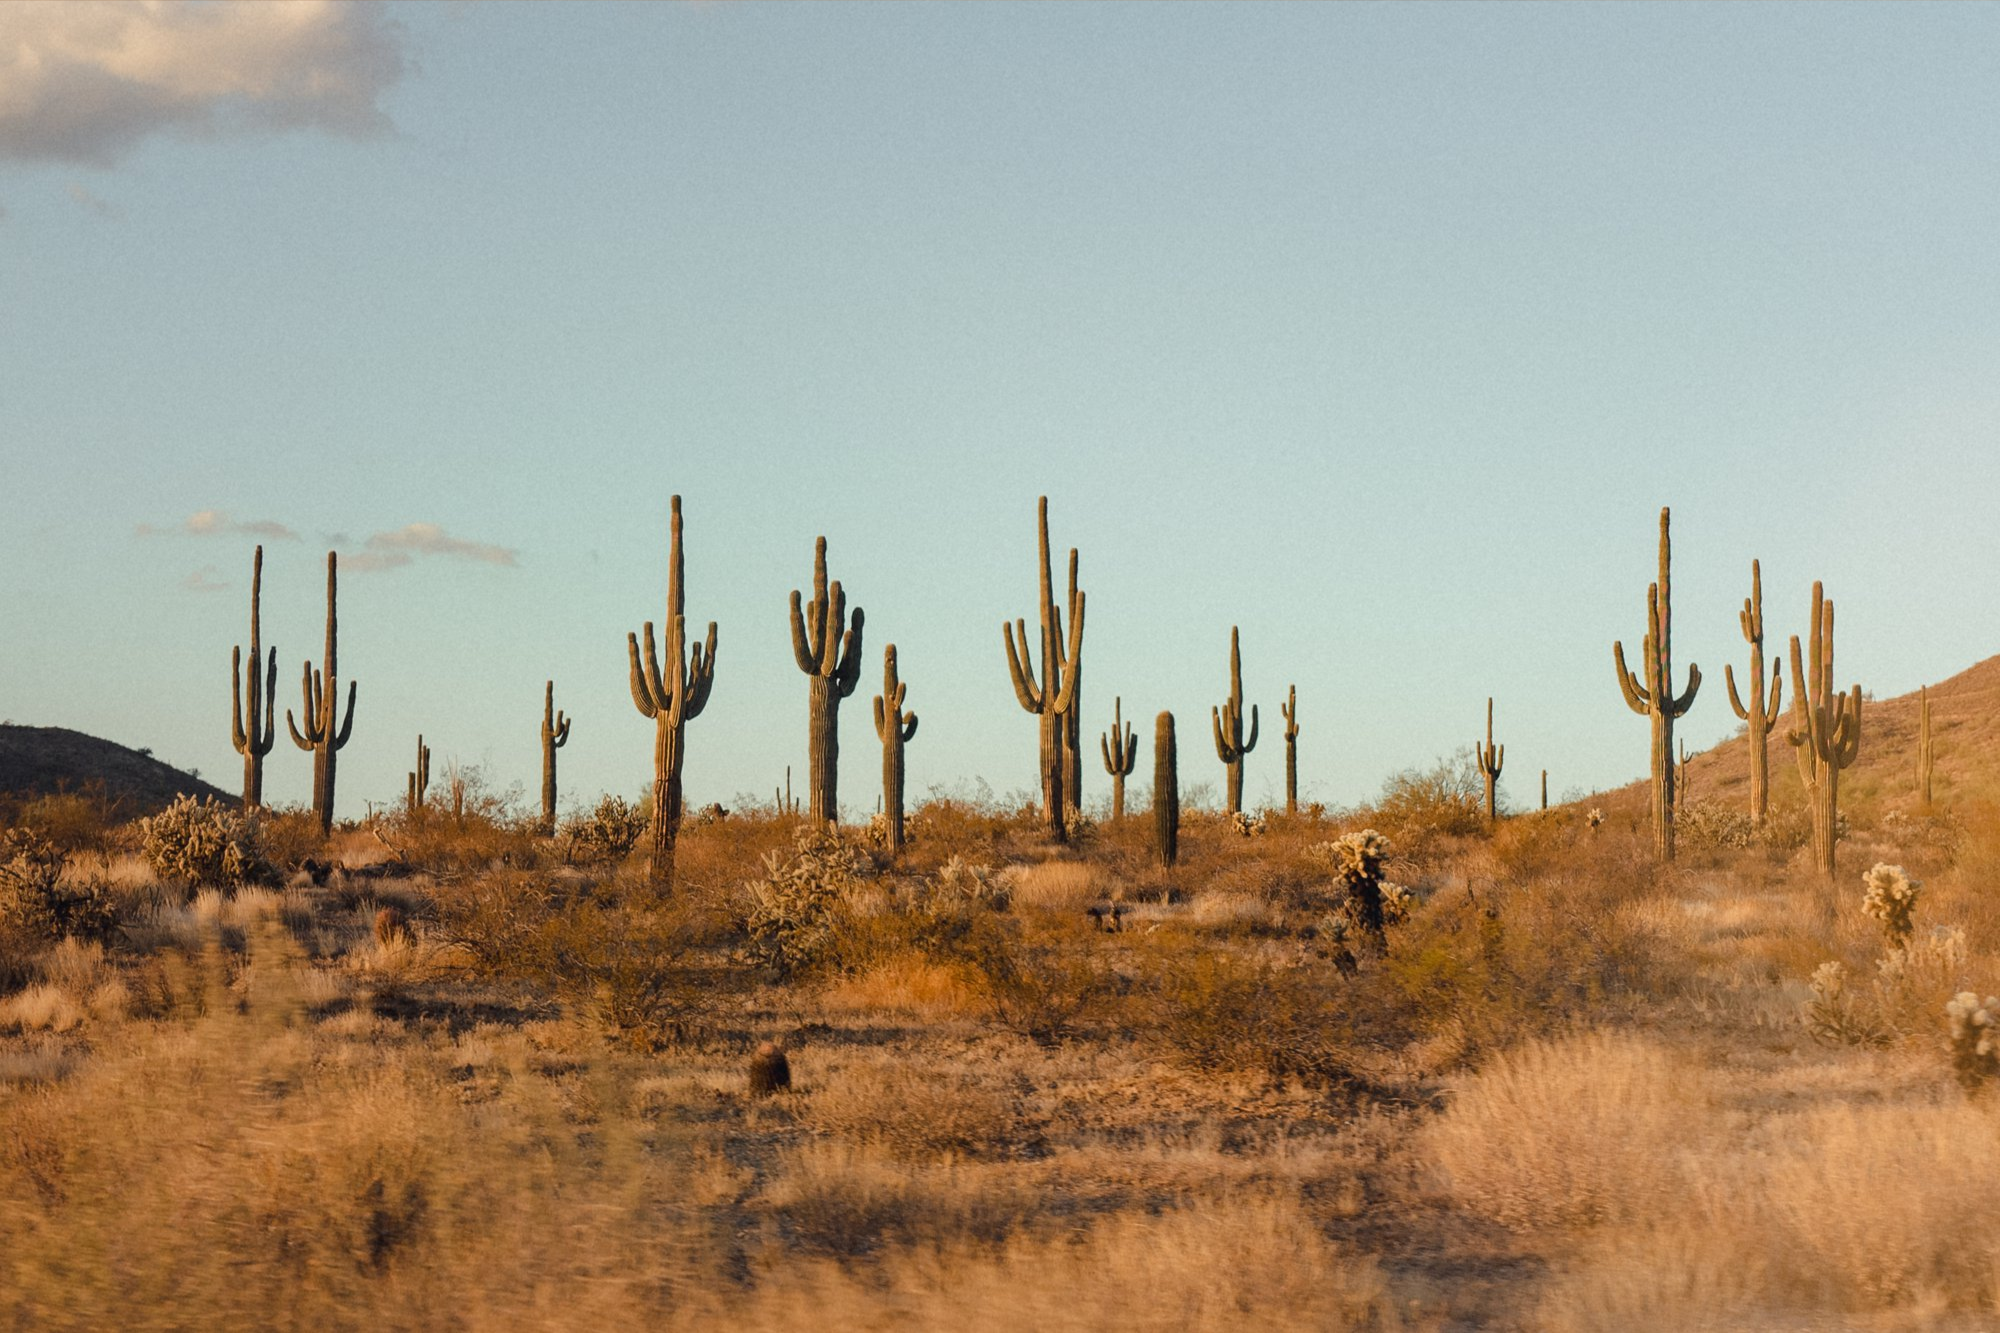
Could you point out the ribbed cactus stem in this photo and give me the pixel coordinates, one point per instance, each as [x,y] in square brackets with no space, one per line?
[1290,708]
[1071,734]
[321,702]
[1760,715]
[555,735]
[1826,729]
[829,652]
[420,777]
[1926,752]
[1545,789]
[672,699]
[896,727]
[1052,697]
[1230,745]
[1653,694]
[1491,757]
[1166,791]
[253,705]
[1684,775]
[1120,750]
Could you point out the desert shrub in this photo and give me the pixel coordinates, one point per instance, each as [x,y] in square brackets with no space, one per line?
[1214,1011]
[1709,824]
[1568,1133]
[1973,1038]
[1448,798]
[1039,989]
[917,1113]
[289,836]
[608,833]
[1835,1015]
[790,911]
[203,842]
[72,821]
[39,901]
[1891,897]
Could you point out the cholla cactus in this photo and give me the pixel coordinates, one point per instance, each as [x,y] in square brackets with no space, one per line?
[1246,826]
[1335,935]
[1595,818]
[197,842]
[1355,862]
[1891,898]
[1975,1037]
[960,881]
[1832,1015]
[790,912]
[1396,904]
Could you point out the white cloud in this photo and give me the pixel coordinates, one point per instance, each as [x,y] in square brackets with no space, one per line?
[393,550]
[215,523]
[204,580]
[86,82]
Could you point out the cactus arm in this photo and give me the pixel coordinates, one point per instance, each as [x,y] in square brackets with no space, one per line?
[826,639]
[1131,750]
[643,696]
[801,653]
[909,727]
[1020,667]
[1104,749]
[700,676]
[848,673]
[1066,694]
[1636,696]
[881,720]
[1251,744]
[1221,745]
[1777,687]
[270,705]
[1729,679]
[1499,760]
[1686,700]
[347,725]
[236,736]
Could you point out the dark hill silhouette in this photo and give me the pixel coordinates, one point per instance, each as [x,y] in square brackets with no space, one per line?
[41,761]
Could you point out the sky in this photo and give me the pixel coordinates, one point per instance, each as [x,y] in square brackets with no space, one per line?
[1382,333]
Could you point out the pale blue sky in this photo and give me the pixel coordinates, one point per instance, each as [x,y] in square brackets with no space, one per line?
[1382,332]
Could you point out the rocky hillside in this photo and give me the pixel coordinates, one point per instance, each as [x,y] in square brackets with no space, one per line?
[39,761]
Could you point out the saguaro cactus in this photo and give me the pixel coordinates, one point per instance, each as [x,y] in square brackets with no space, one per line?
[1684,774]
[1653,695]
[1230,747]
[1491,757]
[555,735]
[1071,734]
[1290,708]
[420,778]
[833,663]
[1826,729]
[672,700]
[1166,791]
[1926,752]
[321,702]
[1545,789]
[1054,696]
[896,729]
[253,707]
[1762,714]
[1120,749]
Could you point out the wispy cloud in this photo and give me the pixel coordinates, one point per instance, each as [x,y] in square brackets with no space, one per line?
[87,82]
[204,580]
[393,550]
[215,523]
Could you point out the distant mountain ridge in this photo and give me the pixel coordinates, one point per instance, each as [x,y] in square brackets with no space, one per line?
[41,761]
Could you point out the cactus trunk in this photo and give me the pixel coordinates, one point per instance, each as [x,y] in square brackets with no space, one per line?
[1826,729]
[1166,791]
[1290,708]
[896,726]
[1653,695]
[1230,746]
[829,652]
[1491,758]
[1761,713]
[1120,749]
[555,735]
[321,705]
[253,707]
[1053,697]
[1926,753]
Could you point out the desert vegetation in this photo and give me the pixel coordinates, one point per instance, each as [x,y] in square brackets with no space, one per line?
[1640,1061]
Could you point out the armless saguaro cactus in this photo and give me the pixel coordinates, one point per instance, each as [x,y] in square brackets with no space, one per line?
[1290,709]
[833,664]
[1491,757]
[1684,774]
[1926,752]
[555,735]
[253,721]
[1052,698]
[1230,747]
[1166,791]
[321,690]
[420,779]
[1826,729]
[896,728]
[672,700]
[1545,789]
[1653,694]
[1762,713]
[1120,749]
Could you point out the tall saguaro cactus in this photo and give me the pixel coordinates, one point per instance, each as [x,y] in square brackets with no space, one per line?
[1653,694]
[832,661]
[1071,734]
[555,735]
[1826,729]
[1120,749]
[1290,708]
[1054,696]
[1490,757]
[1926,751]
[253,707]
[321,702]
[1230,746]
[671,700]
[420,777]
[896,728]
[1166,791]
[1761,715]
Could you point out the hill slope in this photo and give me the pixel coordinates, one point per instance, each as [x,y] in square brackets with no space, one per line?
[38,761]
